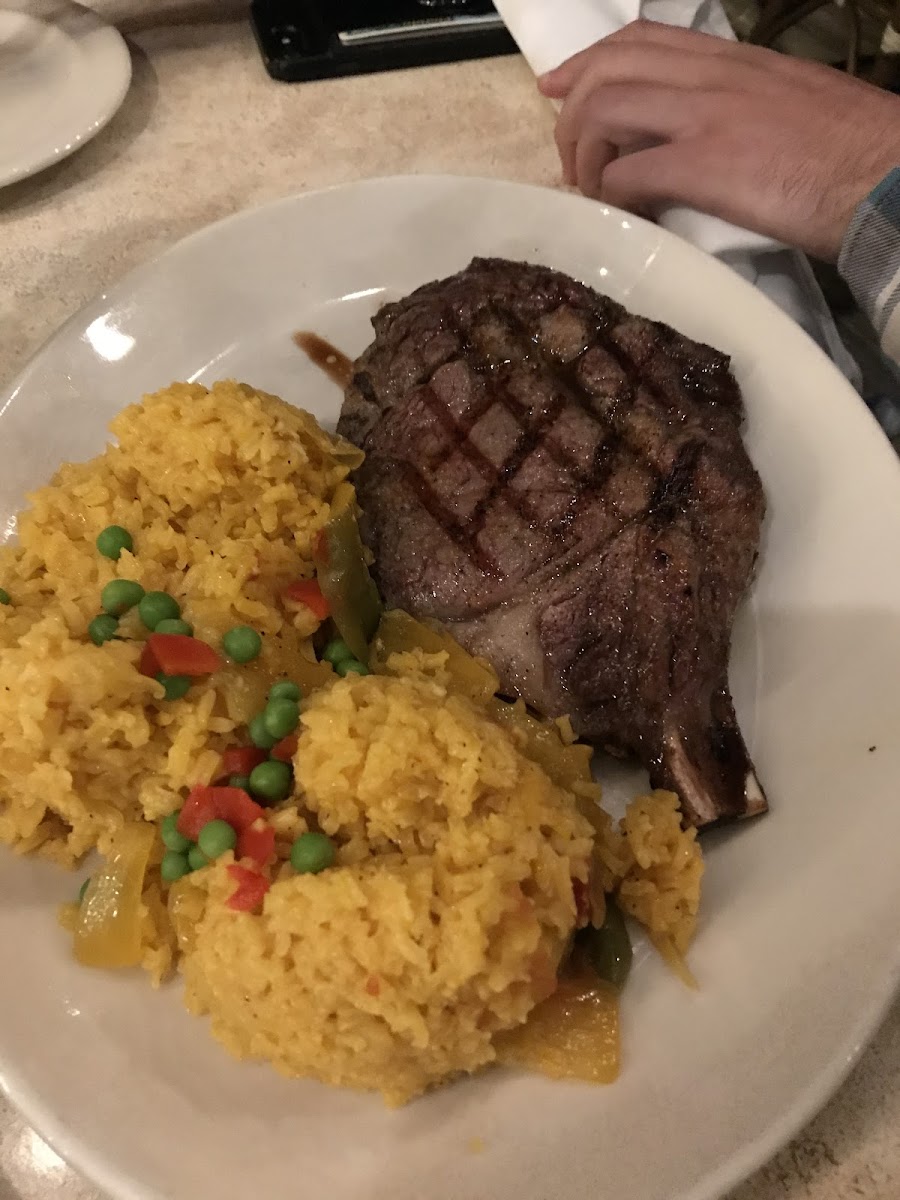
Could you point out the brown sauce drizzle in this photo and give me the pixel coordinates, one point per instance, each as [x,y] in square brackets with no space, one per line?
[333,362]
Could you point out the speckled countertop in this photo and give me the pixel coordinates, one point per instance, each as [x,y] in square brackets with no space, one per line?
[204,132]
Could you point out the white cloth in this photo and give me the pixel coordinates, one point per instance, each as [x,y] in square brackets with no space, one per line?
[548,33]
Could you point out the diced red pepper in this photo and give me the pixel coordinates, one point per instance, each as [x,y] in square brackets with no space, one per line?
[308,592]
[199,809]
[178,654]
[256,842]
[285,750]
[237,808]
[251,888]
[205,804]
[149,664]
[240,760]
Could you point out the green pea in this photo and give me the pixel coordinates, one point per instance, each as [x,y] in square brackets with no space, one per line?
[158,606]
[350,666]
[259,734]
[176,686]
[284,690]
[83,890]
[196,858]
[4,596]
[215,838]
[337,652]
[103,629]
[112,540]
[172,837]
[281,718]
[174,865]
[175,625]
[242,644]
[271,781]
[120,595]
[240,781]
[311,853]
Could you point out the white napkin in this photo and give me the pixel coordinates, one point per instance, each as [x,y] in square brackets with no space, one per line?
[549,33]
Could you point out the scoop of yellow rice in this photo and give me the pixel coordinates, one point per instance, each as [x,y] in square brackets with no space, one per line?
[444,921]
[223,491]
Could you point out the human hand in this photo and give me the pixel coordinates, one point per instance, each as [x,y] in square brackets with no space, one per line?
[654,114]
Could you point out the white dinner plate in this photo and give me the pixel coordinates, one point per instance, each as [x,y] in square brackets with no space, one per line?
[63,74]
[798,949]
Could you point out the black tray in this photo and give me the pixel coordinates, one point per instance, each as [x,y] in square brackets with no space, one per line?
[316,39]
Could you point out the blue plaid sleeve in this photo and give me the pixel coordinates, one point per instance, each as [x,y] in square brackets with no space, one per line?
[870,260]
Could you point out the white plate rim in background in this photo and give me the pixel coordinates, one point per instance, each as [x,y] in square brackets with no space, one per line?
[79,74]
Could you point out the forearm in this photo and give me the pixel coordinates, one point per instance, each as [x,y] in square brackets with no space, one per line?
[870,260]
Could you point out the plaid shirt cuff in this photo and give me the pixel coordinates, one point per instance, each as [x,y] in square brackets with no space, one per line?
[870,260]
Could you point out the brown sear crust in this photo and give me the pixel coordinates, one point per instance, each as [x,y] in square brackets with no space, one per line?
[564,486]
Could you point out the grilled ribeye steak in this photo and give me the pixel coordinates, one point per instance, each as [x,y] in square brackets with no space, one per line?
[563,485]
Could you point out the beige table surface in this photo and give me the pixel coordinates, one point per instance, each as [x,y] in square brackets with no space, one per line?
[203,133]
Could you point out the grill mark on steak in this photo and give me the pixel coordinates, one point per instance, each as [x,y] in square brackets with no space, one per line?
[501,479]
[565,380]
[529,349]
[537,433]
[434,506]
[530,438]
[459,435]
[602,467]
[363,384]
[672,491]
[532,434]
[563,485]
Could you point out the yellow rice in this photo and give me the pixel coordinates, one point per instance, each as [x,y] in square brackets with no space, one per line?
[451,903]
[224,491]
[443,923]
